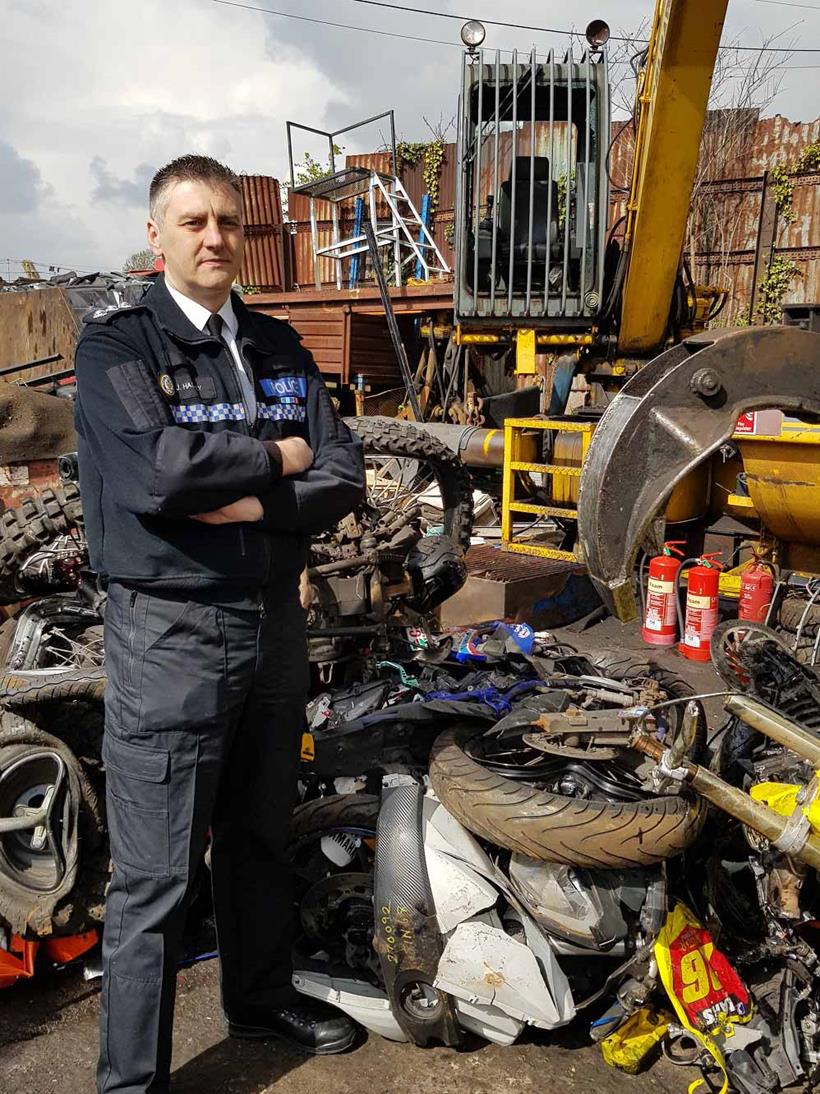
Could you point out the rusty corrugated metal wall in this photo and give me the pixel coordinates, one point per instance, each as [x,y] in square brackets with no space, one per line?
[267,261]
[725,222]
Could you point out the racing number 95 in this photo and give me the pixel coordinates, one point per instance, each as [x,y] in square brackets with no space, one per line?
[698,978]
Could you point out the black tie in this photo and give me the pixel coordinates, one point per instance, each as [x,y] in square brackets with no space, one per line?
[214,327]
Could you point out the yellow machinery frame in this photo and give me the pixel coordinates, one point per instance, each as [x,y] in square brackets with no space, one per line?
[514,429]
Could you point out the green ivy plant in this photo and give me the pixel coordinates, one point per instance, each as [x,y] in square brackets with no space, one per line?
[783,179]
[431,153]
[433,162]
[773,288]
[561,184]
[410,153]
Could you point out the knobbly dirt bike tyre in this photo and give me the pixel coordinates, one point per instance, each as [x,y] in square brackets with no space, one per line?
[391,437]
[791,613]
[31,526]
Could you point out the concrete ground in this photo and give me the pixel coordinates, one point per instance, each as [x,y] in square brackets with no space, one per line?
[48,1027]
[48,1043]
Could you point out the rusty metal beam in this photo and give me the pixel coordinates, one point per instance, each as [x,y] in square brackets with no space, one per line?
[668,418]
[766,232]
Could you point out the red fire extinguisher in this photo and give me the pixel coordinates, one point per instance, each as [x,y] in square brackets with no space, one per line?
[756,591]
[660,625]
[701,608]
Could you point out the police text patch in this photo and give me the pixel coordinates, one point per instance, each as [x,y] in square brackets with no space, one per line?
[285,389]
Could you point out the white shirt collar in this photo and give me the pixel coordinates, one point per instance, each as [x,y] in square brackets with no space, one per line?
[199,315]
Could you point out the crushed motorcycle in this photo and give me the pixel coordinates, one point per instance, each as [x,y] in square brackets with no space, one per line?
[524,881]
[484,900]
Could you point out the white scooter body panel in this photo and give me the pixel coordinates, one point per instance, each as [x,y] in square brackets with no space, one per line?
[483,964]
[364,1003]
[466,886]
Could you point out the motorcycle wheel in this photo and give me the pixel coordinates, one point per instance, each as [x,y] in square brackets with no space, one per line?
[428,463]
[724,647]
[332,852]
[620,665]
[31,527]
[553,828]
[557,828]
[55,885]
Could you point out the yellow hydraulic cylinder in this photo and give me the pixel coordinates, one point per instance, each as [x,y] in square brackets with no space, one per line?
[672,101]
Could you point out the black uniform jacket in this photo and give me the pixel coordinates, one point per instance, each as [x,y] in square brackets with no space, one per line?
[163,433]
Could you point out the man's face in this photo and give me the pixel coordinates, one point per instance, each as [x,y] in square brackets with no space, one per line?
[201,240]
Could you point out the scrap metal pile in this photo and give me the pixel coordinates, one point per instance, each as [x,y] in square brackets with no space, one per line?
[497,831]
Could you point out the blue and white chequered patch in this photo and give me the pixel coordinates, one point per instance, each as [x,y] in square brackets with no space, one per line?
[217,412]
[280,412]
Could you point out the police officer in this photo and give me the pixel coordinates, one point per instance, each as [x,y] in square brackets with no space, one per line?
[209,451]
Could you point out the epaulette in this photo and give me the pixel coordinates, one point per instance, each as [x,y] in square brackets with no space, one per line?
[109,312]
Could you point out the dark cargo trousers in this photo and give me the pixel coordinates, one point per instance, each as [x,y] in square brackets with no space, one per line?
[204,713]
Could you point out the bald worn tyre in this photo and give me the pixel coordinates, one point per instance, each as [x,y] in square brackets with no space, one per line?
[553,828]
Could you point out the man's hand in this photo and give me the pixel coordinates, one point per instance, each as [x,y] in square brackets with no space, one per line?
[305,589]
[245,510]
[297,455]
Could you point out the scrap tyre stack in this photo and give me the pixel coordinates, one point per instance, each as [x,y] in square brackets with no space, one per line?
[45,891]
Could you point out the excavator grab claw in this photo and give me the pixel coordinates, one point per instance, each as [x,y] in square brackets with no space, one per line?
[667,419]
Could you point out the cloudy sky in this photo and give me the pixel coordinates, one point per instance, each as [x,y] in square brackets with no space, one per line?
[100,93]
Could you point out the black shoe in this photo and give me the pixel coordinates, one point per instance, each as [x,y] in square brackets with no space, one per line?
[307,1024]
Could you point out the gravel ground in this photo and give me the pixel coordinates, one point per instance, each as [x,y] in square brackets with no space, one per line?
[48,1043]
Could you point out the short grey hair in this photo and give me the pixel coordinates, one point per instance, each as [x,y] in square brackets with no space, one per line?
[188,168]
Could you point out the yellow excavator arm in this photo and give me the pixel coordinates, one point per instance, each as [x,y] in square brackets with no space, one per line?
[671,102]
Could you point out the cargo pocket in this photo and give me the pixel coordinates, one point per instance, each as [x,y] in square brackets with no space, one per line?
[137,801]
[181,672]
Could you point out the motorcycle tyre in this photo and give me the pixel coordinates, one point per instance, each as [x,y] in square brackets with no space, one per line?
[333,811]
[391,437]
[82,907]
[552,828]
[32,526]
